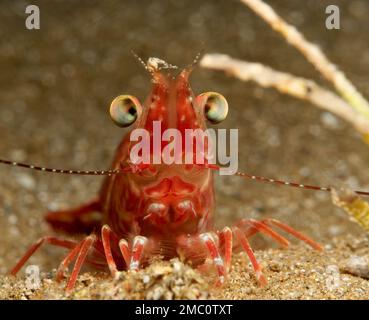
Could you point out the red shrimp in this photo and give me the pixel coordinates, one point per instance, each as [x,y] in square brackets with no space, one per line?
[157,209]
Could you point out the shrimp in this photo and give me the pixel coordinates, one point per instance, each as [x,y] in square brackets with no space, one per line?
[157,209]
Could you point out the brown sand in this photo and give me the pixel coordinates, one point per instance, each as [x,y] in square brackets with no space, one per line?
[295,273]
[55,88]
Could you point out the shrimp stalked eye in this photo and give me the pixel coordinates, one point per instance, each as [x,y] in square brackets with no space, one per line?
[215,106]
[124,110]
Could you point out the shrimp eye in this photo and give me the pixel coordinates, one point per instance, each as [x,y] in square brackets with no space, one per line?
[124,110]
[215,106]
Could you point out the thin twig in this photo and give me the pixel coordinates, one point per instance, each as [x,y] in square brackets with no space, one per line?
[288,84]
[313,54]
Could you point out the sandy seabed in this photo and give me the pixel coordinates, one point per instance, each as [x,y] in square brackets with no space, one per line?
[341,271]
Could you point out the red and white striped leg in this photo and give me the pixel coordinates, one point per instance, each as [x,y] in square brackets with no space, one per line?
[31,251]
[124,249]
[226,242]
[251,227]
[86,245]
[132,257]
[106,235]
[294,232]
[212,248]
[138,246]
[250,253]
[66,262]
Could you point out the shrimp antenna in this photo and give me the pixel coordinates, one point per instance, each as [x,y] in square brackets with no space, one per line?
[274,181]
[197,58]
[131,169]
[63,171]
[141,62]
[195,61]
[291,184]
